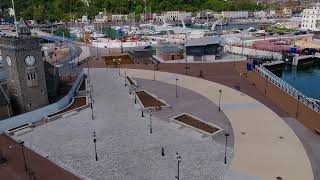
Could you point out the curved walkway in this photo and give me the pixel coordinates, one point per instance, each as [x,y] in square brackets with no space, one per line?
[265,146]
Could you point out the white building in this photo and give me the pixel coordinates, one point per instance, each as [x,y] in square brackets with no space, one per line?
[119,17]
[176,15]
[272,13]
[99,18]
[260,14]
[84,19]
[235,14]
[311,18]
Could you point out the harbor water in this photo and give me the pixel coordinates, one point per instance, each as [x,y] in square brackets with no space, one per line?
[305,78]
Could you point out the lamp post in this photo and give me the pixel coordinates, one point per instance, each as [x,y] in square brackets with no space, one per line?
[97,50]
[220,94]
[95,145]
[150,122]
[186,66]
[177,87]
[178,157]
[135,98]
[23,156]
[225,150]
[154,71]
[125,78]
[119,63]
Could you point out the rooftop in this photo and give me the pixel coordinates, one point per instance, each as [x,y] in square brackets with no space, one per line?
[203,41]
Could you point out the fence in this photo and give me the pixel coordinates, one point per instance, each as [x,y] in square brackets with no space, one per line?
[287,88]
[252,52]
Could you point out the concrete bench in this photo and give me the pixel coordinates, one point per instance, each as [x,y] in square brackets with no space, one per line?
[12,131]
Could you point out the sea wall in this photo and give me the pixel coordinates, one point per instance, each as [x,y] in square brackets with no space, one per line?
[286,102]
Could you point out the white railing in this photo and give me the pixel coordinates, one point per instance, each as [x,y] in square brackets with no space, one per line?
[287,88]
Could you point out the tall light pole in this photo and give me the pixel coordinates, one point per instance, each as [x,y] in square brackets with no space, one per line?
[150,122]
[15,18]
[177,87]
[119,63]
[95,145]
[220,94]
[178,157]
[225,150]
[154,71]
[125,79]
[23,156]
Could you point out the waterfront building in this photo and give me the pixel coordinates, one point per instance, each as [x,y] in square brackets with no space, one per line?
[311,18]
[119,17]
[286,11]
[260,14]
[271,13]
[84,19]
[235,14]
[170,53]
[176,15]
[203,49]
[101,17]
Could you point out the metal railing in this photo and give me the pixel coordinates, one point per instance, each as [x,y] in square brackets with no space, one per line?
[287,88]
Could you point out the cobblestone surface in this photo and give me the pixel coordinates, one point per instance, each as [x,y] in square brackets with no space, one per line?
[126,149]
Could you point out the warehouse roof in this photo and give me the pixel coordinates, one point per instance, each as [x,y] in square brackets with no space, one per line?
[169,49]
[204,41]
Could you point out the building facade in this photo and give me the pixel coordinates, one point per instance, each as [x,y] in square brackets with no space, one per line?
[311,18]
[169,53]
[203,49]
[25,73]
[235,14]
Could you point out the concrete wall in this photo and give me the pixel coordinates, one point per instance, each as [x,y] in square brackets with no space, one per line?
[252,52]
[289,104]
[39,114]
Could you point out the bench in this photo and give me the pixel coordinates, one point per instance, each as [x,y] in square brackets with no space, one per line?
[12,131]
[317,131]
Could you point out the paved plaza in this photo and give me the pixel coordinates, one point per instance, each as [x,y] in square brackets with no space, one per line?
[125,148]
[264,145]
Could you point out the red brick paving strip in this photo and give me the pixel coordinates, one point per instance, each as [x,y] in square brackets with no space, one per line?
[196,123]
[148,100]
[13,169]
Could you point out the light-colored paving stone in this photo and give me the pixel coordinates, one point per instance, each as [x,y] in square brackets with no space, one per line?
[126,150]
[258,149]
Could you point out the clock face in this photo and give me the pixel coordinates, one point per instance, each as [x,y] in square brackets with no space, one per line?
[30,60]
[9,61]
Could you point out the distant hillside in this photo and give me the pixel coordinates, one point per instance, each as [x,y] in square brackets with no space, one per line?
[53,10]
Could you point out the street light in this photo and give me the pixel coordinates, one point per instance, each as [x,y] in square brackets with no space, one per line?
[95,145]
[225,150]
[24,158]
[150,123]
[119,63]
[177,87]
[135,98]
[220,91]
[125,79]
[178,160]
[154,71]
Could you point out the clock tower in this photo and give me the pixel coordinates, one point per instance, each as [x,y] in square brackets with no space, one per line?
[24,67]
